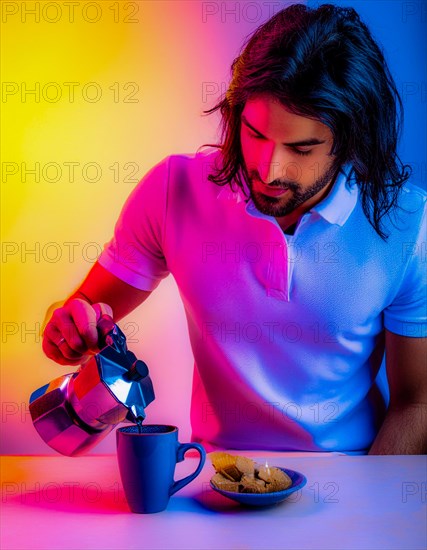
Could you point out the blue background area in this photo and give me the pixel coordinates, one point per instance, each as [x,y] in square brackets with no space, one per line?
[400,28]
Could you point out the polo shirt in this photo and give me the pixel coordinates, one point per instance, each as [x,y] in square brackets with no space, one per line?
[287,331]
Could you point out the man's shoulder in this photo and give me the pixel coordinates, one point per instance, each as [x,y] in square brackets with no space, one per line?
[412,202]
[208,156]
[187,174]
[413,196]
[406,218]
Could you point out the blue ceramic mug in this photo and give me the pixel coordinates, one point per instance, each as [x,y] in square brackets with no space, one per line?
[147,457]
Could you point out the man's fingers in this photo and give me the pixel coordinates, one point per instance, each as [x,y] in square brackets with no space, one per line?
[65,324]
[72,333]
[56,353]
[84,318]
[102,309]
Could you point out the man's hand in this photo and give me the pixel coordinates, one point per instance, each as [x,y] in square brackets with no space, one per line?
[71,334]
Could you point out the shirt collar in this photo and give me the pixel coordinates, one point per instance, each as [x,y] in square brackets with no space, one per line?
[335,208]
[341,200]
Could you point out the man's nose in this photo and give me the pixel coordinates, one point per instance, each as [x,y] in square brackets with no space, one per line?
[269,167]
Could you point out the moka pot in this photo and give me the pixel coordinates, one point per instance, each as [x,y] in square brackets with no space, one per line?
[74,412]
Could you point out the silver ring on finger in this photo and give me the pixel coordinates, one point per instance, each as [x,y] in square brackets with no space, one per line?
[60,342]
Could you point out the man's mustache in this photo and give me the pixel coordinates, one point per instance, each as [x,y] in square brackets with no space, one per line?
[275,184]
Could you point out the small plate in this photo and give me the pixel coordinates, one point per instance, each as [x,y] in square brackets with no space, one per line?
[266,499]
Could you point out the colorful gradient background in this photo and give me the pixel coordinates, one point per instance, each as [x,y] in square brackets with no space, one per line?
[144,73]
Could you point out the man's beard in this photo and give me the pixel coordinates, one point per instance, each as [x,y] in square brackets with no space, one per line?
[295,194]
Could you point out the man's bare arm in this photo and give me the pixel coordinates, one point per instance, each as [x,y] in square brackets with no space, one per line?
[101,286]
[405,426]
[71,332]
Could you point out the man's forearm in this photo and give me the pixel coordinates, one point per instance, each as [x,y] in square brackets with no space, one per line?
[403,431]
[78,294]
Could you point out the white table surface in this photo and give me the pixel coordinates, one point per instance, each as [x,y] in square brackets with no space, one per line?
[352,502]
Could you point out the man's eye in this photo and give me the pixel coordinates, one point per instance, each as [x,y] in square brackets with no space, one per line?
[301,152]
[255,136]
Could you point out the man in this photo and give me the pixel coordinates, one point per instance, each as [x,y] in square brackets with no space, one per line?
[298,248]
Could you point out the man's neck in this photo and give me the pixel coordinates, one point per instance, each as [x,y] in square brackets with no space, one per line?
[290,221]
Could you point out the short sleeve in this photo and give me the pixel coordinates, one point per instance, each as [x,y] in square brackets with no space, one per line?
[135,253]
[407,314]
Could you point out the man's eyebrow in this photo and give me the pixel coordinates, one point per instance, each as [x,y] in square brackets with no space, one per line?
[301,143]
[245,121]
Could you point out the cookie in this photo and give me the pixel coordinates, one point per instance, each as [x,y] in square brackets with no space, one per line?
[231,472]
[225,484]
[250,484]
[245,465]
[241,474]
[221,460]
[275,479]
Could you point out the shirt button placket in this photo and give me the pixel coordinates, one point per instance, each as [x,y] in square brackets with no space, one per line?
[278,270]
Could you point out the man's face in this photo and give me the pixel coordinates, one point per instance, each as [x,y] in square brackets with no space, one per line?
[287,157]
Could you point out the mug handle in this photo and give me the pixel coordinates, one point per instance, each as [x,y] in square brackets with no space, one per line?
[182,449]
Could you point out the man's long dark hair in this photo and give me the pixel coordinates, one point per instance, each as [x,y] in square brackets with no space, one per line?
[323,64]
